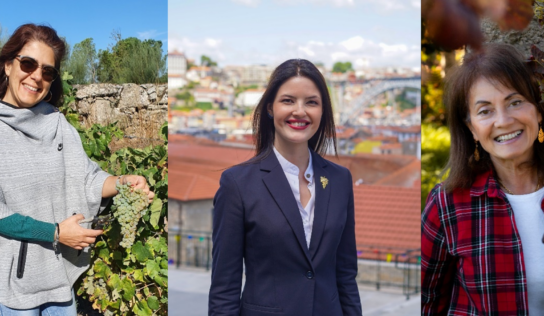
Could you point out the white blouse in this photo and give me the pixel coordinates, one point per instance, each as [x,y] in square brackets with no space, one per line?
[291,172]
[530,223]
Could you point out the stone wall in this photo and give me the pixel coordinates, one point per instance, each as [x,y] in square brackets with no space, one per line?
[522,40]
[139,110]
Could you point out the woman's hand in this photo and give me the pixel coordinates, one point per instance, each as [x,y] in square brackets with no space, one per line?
[138,182]
[75,236]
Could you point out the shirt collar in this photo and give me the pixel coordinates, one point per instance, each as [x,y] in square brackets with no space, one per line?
[291,168]
[486,182]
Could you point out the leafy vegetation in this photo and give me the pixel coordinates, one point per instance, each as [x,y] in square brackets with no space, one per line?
[82,64]
[132,280]
[132,60]
[128,60]
[207,61]
[403,101]
[342,67]
[435,151]
[204,106]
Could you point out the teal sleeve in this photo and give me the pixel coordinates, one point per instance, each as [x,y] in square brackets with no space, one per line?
[21,227]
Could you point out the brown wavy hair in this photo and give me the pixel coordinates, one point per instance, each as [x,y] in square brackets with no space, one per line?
[263,126]
[23,35]
[501,64]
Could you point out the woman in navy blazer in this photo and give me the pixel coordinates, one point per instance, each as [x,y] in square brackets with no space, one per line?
[299,260]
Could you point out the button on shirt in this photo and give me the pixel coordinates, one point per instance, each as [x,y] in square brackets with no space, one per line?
[291,172]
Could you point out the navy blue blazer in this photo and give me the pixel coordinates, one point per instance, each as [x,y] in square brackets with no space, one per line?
[256,220]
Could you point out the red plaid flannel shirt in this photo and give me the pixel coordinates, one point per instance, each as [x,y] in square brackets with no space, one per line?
[471,254]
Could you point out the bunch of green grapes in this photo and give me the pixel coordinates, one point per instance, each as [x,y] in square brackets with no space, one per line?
[128,207]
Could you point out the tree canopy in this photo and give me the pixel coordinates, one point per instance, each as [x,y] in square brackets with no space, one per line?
[132,60]
[82,63]
[207,61]
[342,67]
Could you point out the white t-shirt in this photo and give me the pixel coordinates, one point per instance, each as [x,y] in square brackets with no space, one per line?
[307,212]
[530,223]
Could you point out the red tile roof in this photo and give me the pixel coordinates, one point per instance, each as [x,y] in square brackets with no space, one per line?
[387,218]
[345,133]
[382,138]
[407,176]
[190,187]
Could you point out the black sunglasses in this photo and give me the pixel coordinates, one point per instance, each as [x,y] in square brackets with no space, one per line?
[29,65]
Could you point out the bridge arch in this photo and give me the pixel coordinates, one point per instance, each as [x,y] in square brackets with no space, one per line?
[358,105]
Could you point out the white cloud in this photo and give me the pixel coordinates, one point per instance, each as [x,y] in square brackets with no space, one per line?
[148,34]
[339,56]
[353,43]
[306,50]
[389,50]
[336,3]
[249,3]
[193,49]
[379,5]
[390,5]
[359,51]
[212,42]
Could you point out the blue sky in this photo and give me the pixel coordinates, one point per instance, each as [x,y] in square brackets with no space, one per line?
[78,20]
[369,33]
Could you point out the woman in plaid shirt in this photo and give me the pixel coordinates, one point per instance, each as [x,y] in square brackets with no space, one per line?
[482,250]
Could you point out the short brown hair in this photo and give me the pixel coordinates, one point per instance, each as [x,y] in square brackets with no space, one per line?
[23,35]
[502,64]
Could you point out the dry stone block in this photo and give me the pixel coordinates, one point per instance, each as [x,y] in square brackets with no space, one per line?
[139,109]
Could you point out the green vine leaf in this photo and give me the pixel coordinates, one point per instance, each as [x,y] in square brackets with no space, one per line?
[128,289]
[153,303]
[142,309]
[114,282]
[155,210]
[152,269]
[101,269]
[140,252]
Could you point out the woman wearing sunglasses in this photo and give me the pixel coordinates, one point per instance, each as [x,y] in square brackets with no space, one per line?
[45,178]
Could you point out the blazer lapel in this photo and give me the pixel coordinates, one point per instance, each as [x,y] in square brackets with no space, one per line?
[279,188]
[322,195]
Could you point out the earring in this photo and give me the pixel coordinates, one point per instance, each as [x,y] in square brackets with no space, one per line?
[540,134]
[50,96]
[476,152]
[7,81]
[270,116]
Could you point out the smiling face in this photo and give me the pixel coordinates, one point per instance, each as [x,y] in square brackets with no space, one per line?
[503,121]
[297,111]
[27,89]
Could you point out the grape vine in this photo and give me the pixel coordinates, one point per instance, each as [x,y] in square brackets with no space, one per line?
[128,207]
[128,279]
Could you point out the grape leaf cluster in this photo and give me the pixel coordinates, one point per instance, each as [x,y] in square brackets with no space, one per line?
[129,205]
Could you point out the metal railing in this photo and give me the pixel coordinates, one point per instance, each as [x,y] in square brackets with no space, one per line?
[192,248]
[390,267]
[378,266]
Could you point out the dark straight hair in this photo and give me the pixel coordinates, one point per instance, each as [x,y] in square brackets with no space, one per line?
[501,64]
[23,35]
[263,126]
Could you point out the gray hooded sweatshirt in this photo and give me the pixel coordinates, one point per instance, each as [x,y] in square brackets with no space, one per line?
[44,174]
